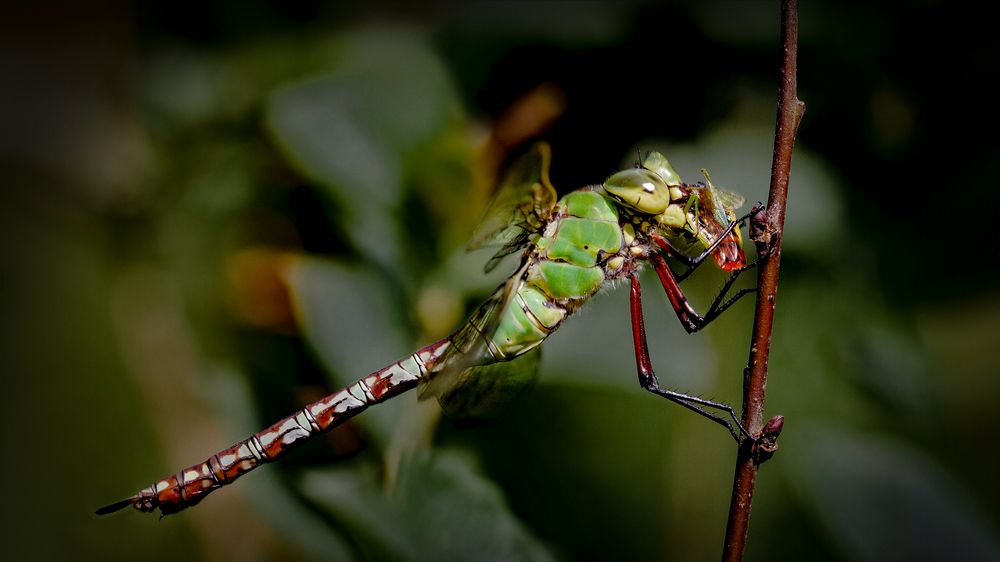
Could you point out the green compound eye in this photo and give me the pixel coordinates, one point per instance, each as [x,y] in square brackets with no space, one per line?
[639,189]
[656,162]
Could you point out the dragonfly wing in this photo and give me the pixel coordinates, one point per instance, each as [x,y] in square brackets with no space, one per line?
[715,208]
[520,208]
[519,241]
[481,391]
[728,200]
[469,347]
[470,359]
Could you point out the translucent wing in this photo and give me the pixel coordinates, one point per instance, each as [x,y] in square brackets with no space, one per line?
[470,344]
[520,208]
[481,391]
[471,383]
[729,200]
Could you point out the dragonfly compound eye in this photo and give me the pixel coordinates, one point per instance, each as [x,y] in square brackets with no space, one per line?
[639,189]
[656,162]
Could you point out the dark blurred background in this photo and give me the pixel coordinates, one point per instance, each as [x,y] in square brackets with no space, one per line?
[213,213]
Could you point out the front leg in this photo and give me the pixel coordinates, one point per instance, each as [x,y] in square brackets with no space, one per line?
[689,317]
[648,381]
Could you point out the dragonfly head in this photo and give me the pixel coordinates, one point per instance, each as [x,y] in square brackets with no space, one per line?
[691,216]
[647,188]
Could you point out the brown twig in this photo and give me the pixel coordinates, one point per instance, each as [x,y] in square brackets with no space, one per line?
[770,225]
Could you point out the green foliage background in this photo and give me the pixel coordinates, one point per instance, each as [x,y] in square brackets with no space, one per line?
[211,215]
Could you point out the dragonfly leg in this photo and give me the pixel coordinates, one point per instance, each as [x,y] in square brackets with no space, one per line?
[648,381]
[689,317]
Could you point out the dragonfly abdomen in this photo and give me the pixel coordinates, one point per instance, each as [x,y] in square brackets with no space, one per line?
[528,319]
[189,486]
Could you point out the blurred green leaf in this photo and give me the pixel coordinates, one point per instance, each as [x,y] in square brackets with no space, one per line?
[878,499]
[417,519]
[324,127]
[646,478]
[350,129]
[888,363]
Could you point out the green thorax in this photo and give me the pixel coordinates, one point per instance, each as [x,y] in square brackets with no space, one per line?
[583,234]
[566,267]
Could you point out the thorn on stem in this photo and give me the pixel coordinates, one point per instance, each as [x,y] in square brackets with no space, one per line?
[758,220]
[767,444]
[762,230]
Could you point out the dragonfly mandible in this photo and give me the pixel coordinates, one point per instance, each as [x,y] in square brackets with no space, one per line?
[570,248]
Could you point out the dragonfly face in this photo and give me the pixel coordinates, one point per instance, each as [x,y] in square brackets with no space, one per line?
[691,217]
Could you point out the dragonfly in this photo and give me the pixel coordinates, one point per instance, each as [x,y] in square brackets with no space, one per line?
[571,248]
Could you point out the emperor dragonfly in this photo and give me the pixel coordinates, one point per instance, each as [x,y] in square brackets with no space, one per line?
[571,248]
